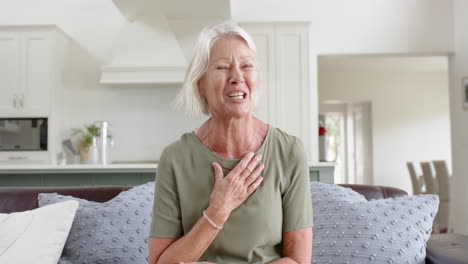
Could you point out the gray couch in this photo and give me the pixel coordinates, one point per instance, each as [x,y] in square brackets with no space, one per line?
[441,248]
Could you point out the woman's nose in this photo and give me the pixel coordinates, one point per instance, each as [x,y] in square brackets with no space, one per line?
[236,76]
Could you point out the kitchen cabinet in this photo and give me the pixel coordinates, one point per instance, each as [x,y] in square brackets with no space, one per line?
[108,176]
[322,173]
[285,92]
[77,175]
[31,58]
[75,179]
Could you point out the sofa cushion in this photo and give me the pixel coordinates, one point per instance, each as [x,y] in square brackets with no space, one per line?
[64,261]
[393,230]
[111,232]
[36,236]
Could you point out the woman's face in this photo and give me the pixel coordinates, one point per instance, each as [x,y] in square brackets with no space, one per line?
[230,82]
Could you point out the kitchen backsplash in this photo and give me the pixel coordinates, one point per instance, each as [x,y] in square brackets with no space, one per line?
[142,120]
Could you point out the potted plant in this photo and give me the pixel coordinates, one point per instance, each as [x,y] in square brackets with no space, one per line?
[86,139]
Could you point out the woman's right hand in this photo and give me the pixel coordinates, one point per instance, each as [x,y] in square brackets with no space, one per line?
[231,191]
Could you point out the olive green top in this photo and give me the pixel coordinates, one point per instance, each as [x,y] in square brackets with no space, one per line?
[253,232]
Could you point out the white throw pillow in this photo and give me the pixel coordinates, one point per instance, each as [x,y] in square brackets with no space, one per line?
[36,236]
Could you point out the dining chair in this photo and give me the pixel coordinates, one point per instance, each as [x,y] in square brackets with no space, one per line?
[416,181]
[429,179]
[443,181]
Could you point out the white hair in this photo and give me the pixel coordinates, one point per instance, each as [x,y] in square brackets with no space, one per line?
[189,98]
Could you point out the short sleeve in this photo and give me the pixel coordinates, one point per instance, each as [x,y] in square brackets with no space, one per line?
[166,222]
[297,202]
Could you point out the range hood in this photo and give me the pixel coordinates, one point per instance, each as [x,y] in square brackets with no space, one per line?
[145,52]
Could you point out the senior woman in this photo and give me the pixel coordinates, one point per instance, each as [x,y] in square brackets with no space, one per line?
[235,190]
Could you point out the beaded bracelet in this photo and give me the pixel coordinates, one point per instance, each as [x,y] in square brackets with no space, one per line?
[211,222]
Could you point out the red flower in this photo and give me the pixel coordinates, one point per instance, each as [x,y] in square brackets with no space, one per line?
[322,131]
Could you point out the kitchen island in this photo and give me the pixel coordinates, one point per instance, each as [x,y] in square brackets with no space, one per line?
[111,174]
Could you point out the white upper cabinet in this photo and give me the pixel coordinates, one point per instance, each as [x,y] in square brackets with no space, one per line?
[30,69]
[38,72]
[283,55]
[9,70]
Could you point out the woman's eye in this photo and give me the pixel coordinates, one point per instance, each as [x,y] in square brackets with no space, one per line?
[248,66]
[222,67]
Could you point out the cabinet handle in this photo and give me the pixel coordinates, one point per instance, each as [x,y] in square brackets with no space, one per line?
[14,100]
[22,101]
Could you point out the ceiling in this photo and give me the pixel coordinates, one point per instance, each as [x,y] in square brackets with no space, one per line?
[198,9]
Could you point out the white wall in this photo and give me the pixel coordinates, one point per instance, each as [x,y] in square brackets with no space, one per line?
[382,26]
[410,116]
[459,118]
[361,26]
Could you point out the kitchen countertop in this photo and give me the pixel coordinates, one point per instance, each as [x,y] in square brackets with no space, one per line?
[77,168]
[322,164]
[96,168]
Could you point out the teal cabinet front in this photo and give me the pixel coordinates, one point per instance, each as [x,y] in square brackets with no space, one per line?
[102,177]
[76,179]
[323,174]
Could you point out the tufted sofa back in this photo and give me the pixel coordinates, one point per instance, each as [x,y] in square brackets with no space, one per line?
[374,191]
[18,199]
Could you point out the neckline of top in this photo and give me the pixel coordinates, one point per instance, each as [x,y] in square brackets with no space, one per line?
[230,163]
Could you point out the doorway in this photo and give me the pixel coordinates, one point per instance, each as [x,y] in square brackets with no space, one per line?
[347,141]
[409,113]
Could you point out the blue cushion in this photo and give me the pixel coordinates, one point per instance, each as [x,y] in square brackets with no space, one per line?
[333,193]
[351,230]
[112,232]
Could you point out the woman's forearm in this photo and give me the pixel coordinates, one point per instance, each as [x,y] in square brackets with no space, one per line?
[191,247]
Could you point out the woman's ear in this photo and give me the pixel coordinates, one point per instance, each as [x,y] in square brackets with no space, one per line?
[200,85]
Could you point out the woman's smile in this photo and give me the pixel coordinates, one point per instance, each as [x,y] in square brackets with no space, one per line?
[237,96]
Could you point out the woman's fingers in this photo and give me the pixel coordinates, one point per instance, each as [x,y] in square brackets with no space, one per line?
[254,175]
[218,171]
[242,165]
[254,185]
[251,166]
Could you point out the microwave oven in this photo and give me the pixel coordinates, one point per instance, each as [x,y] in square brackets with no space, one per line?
[23,134]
